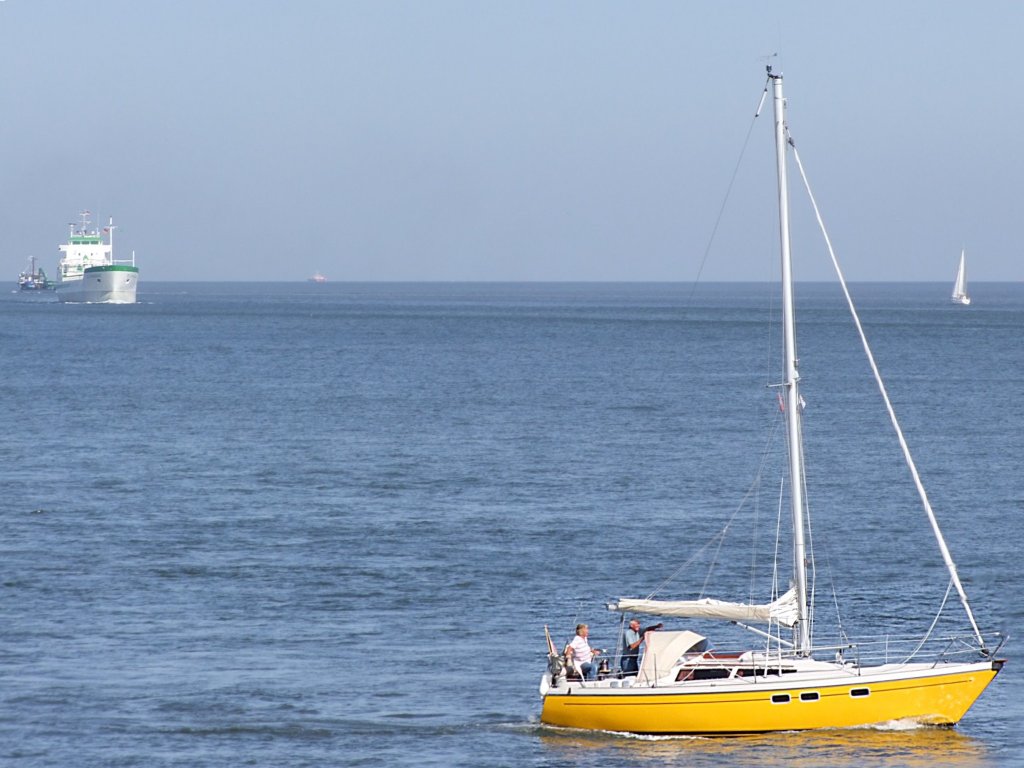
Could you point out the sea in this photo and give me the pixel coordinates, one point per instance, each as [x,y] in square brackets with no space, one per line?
[290,524]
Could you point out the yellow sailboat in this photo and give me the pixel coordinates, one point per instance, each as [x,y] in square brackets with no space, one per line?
[786,683]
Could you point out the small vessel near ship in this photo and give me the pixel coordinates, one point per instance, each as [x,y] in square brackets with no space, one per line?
[960,282]
[782,680]
[87,271]
[34,279]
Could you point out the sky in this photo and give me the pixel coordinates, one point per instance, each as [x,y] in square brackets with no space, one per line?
[526,140]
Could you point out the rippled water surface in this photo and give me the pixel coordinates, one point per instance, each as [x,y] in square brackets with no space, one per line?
[291,524]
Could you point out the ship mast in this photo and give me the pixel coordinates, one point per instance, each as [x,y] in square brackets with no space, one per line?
[110,238]
[791,380]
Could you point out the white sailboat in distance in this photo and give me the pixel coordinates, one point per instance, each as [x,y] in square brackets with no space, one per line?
[960,284]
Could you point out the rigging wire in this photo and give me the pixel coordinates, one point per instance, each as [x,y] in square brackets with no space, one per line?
[720,536]
[922,494]
[778,535]
[928,634]
[810,548]
[728,194]
[843,637]
[778,543]
[668,579]
[766,453]
[755,484]
[755,528]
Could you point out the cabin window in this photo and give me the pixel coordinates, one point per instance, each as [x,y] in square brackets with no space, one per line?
[710,674]
[809,696]
[780,698]
[762,672]
[859,692]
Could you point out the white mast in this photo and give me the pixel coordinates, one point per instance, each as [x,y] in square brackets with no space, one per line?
[110,237]
[791,377]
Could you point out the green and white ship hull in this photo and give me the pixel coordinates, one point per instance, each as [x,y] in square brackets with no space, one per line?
[111,284]
[87,272]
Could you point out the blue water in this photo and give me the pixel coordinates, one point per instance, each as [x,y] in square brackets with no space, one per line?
[290,524]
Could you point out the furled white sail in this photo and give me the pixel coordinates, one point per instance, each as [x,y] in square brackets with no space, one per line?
[783,611]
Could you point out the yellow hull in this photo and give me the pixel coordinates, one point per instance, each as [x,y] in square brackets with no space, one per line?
[937,699]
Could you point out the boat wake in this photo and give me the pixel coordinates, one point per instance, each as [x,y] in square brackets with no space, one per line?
[904,724]
[588,732]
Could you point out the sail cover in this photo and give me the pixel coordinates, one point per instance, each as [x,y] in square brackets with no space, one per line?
[783,611]
[663,649]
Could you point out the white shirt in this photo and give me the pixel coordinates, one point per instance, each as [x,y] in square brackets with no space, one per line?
[581,650]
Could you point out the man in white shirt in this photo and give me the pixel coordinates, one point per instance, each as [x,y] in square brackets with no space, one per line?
[580,650]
